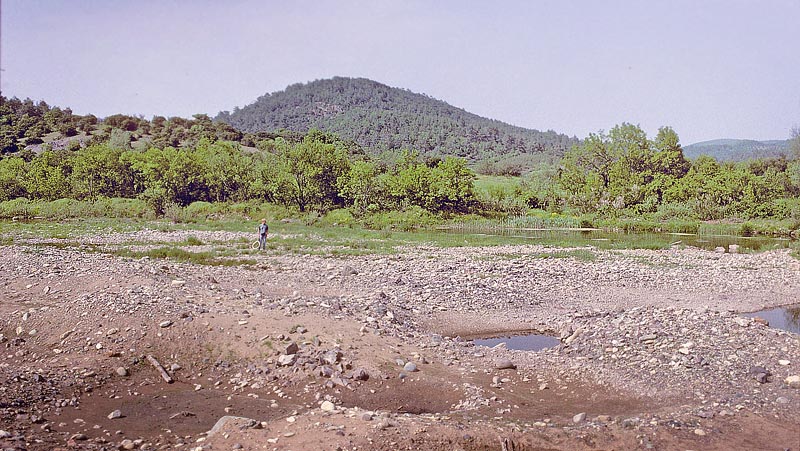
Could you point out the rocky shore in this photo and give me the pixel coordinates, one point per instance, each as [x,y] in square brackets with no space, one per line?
[368,352]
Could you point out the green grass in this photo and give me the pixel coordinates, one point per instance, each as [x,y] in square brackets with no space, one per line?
[178,254]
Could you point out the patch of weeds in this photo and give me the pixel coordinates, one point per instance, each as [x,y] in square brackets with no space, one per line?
[583,255]
[294,328]
[192,240]
[175,253]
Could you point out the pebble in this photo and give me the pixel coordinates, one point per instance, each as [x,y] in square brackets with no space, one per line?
[165,324]
[115,414]
[579,417]
[410,367]
[122,371]
[327,406]
[505,364]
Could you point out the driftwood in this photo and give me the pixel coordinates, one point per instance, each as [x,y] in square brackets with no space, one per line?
[164,375]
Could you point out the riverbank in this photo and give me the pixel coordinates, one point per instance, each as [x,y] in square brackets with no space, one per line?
[322,349]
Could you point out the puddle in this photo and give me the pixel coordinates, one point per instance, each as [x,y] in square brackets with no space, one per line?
[530,342]
[786,318]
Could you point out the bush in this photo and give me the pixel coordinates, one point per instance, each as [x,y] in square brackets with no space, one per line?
[339,217]
[407,220]
[16,208]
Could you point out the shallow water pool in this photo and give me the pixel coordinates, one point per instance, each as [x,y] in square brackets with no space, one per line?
[529,342]
[785,318]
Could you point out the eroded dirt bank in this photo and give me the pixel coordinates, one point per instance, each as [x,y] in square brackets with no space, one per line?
[312,352]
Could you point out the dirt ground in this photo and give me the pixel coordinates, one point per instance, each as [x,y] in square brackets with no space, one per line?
[77,328]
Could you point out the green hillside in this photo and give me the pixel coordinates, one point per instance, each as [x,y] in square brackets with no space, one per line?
[381,118]
[738,149]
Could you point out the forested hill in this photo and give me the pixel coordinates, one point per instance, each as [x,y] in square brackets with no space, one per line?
[380,118]
[738,149]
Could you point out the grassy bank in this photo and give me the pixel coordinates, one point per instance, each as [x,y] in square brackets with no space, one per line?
[340,233]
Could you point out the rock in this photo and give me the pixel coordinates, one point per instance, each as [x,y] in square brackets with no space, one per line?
[744,322]
[505,364]
[760,374]
[79,437]
[331,357]
[291,348]
[367,416]
[604,418]
[784,362]
[127,444]
[410,367]
[360,374]
[648,337]
[121,371]
[699,432]
[349,271]
[793,381]
[579,417]
[165,324]
[327,406]
[178,283]
[782,400]
[115,414]
[237,422]
[761,321]
[719,250]
[4,434]
[733,248]
[287,360]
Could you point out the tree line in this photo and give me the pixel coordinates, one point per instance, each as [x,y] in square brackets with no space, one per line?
[318,172]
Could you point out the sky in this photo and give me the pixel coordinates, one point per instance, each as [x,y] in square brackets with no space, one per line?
[708,68]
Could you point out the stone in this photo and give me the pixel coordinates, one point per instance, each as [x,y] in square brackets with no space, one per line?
[121,371]
[178,283]
[237,422]
[360,374]
[410,367]
[733,248]
[784,362]
[349,271]
[291,348]
[4,434]
[719,250]
[127,444]
[579,417]
[782,400]
[699,432]
[793,381]
[505,364]
[165,324]
[366,416]
[115,414]
[287,360]
[327,406]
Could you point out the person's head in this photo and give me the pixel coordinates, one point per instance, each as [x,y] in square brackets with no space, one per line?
[264,221]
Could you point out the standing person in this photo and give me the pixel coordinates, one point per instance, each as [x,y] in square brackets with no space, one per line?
[263,230]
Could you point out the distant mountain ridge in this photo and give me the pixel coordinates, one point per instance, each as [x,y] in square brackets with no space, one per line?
[738,149]
[382,118]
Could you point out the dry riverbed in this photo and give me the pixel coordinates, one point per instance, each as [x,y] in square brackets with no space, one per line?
[308,352]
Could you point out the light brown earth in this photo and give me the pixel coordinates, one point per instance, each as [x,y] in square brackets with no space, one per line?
[71,317]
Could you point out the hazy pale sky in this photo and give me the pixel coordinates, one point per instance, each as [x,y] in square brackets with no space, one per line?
[708,68]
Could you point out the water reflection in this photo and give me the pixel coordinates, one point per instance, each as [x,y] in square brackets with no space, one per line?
[605,239]
[531,342]
[785,318]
